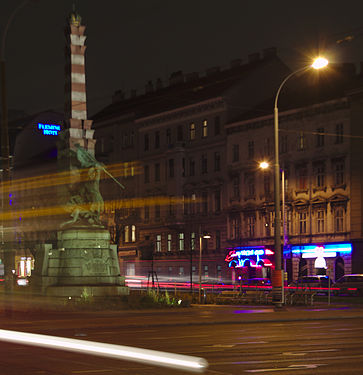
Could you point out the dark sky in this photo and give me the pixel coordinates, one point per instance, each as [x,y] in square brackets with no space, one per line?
[133,41]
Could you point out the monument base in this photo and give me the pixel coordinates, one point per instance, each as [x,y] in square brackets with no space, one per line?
[84,263]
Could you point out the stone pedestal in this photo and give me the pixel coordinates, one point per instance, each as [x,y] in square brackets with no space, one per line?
[84,263]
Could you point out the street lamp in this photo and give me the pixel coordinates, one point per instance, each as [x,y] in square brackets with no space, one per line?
[201,236]
[277,279]
[5,157]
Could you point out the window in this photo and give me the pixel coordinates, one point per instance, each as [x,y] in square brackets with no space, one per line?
[181,271]
[204,164]
[192,240]
[192,131]
[158,243]
[205,129]
[181,241]
[168,137]
[236,186]
[217,201]
[217,162]
[301,142]
[157,139]
[339,172]
[146,213]
[171,168]
[217,125]
[235,153]
[320,221]
[302,177]
[219,272]
[302,222]
[266,183]
[157,172]
[157,211]
[339,219]
[235,227]
[191,167]
[169,241]
[192,204]
[146,142]
[251,149]
[204,202]
[171,206]
[250,184]
[339,131]
[133,233]
[283,144]
[130,269]
[267,225]
[180,133]
[218,239]
[194,270]
[126,234]
[267,147]
[320,137]
[205,271]
[251,226]
[146,174]
[319,170]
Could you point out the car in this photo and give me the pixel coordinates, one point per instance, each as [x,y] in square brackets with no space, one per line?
[318,283]
[351,285]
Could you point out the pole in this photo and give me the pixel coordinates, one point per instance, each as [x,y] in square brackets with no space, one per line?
[277,282]
[191,270]
[200,267]
[283,230]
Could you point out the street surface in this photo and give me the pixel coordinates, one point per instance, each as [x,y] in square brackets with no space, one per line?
[234,340]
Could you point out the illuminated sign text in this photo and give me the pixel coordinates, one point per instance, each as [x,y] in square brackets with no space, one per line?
[49,129]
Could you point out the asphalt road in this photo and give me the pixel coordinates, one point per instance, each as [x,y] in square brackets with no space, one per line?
[279,346]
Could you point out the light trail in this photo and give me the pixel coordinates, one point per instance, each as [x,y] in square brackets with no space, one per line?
[128,353]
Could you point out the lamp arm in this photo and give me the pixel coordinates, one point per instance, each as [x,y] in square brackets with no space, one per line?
[286,79]
[7,28]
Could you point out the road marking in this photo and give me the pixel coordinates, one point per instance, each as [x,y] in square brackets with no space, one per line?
[89,371]
[253,342]
[291,367]
[219,346]
[310,351]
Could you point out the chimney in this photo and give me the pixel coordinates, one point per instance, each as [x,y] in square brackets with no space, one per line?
[212,70]
[269,52]
[194,76]
[159,84]
[235,63]
[149,87]
[176,78]
[253,57]
[118,96]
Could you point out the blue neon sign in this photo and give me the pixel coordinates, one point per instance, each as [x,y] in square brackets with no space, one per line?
[327,250]
[238,256]
[49,129]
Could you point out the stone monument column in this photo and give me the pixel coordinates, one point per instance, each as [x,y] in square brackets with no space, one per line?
[83,262]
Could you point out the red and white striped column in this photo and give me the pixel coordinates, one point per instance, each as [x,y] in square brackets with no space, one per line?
[80,131]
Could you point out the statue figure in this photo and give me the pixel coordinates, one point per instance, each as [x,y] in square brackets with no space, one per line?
[85,202]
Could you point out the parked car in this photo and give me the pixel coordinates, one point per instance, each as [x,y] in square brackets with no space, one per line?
[349,285]
[318,283]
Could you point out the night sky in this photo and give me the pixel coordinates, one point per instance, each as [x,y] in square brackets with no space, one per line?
[133,41]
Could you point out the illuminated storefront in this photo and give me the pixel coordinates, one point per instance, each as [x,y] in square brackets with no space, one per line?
[333,259]
[250,261]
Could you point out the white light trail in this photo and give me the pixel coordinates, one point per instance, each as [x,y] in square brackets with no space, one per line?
[128,353]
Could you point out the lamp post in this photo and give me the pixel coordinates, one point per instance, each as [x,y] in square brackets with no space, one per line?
[201,236]
[5,153]
[277,279]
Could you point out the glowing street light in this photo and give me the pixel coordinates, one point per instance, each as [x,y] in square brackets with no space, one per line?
[277,279]
[201,236]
